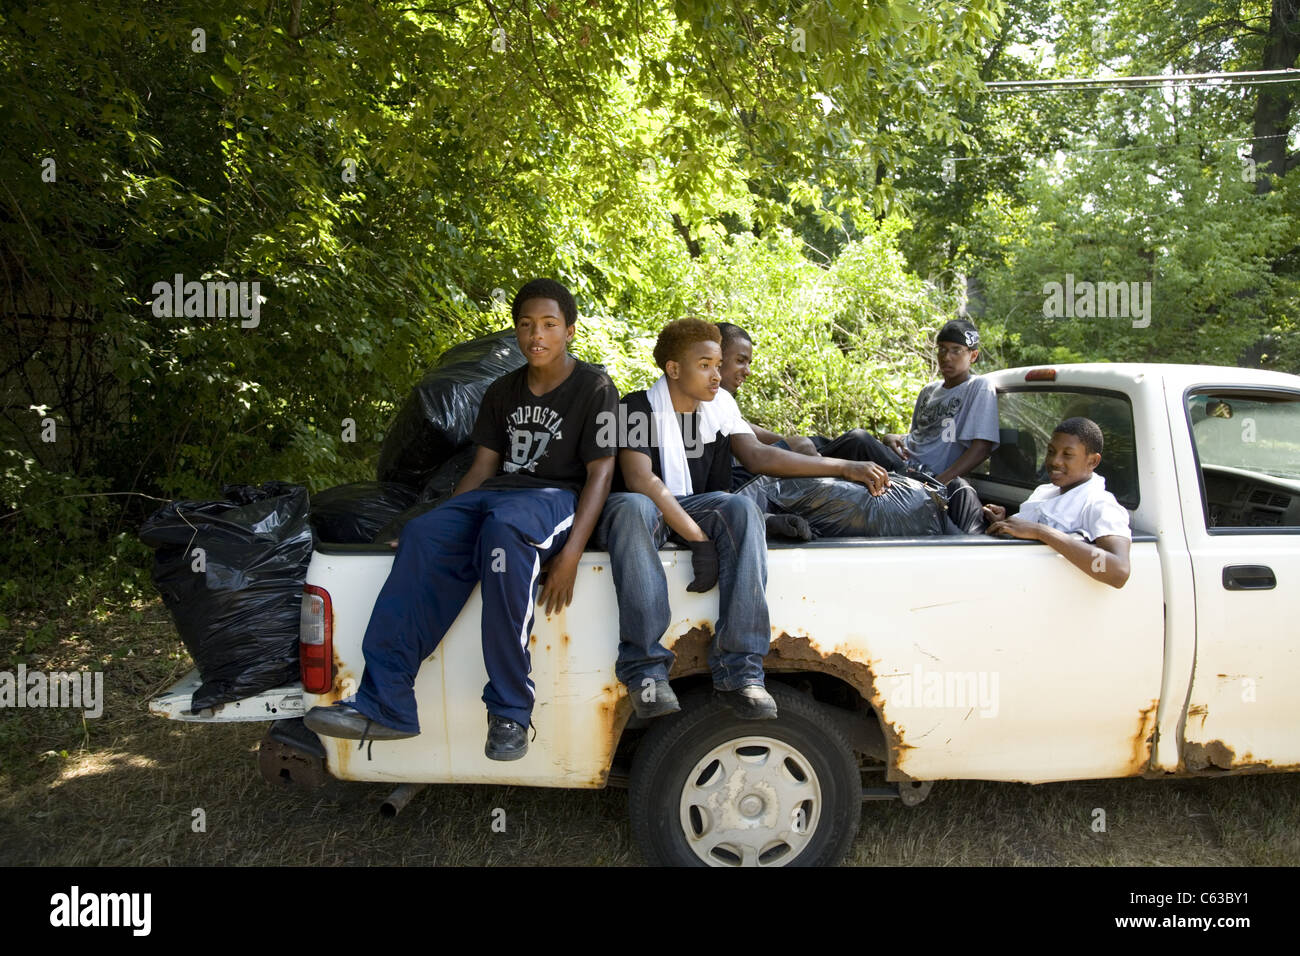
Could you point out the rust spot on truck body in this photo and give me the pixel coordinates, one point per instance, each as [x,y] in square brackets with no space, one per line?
[791,653]
[1144,739]
[342,685]
[1216,758]
[615,710]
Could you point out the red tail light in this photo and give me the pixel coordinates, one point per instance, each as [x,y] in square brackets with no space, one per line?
[316,640]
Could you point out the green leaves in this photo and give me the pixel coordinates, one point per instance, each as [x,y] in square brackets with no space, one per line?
[383,171]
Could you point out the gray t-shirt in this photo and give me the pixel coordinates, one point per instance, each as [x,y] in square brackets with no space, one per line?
[946,420]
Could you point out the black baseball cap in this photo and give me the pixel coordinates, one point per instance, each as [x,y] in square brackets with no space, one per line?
[959,332]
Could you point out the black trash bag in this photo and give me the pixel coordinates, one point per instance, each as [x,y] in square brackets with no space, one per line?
[836,508]
[238,616]
[436,491]
[444,481]
[438,415]
[354,514]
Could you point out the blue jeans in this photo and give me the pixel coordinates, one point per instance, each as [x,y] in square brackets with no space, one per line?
[855,445]
[498,537]
[632,530]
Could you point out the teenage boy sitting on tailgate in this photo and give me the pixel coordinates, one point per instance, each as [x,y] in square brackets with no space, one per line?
[530,499]
[676,443]
[954,424]
[1074,514]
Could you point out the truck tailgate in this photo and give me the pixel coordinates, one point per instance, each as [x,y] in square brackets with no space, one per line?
[275,704]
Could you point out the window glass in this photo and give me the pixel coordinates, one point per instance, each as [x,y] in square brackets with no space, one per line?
[1249,448]
[1026,418]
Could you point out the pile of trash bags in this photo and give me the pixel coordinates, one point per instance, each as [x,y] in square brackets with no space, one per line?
[436,420]
[426,450]
[355,513]
[231,574]
[231,571]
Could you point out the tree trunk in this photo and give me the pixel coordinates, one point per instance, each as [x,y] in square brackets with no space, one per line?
[1275,103]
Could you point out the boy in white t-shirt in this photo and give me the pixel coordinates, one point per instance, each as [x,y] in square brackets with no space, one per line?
[1074,515]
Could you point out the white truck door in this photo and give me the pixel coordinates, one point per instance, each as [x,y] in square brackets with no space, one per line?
[1242,518]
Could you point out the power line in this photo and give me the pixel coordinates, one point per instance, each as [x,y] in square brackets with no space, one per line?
[1123,149]
[1159,81]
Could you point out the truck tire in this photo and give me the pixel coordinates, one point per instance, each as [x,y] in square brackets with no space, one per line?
[710,789]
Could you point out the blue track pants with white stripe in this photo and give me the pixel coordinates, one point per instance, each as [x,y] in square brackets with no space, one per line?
[498,537]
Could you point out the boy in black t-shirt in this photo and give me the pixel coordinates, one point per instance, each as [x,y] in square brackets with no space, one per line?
[531,498]
[676,443]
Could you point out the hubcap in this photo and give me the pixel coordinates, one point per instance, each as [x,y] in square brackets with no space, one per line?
[752,801]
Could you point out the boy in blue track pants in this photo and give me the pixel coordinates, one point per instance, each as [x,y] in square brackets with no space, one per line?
[530,500]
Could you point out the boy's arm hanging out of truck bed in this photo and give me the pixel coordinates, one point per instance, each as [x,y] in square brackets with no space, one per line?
[1105,560]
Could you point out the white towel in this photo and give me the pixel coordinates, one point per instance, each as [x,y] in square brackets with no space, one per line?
[722,415]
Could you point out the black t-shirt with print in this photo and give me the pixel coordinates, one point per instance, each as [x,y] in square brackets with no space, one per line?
[709,463]
[546,441]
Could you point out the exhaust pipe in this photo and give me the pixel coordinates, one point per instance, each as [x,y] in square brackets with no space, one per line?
[399,798]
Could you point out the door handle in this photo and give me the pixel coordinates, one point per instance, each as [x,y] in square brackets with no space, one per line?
[1248,577]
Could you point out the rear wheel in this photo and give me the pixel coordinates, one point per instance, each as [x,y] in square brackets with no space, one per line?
[710,789]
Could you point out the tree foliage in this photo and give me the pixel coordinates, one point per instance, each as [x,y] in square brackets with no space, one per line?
[386,173]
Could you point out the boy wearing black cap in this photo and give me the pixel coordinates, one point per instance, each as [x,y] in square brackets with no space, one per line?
[955,421]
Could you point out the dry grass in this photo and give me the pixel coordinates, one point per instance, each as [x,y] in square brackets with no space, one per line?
[121,790]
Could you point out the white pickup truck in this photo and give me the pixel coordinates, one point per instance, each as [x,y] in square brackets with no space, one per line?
[896,662]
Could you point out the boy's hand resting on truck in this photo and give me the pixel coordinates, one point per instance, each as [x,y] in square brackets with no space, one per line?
[1016,528]
[995,513]
[557,590]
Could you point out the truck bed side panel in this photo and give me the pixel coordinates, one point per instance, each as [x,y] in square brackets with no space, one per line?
[988,660]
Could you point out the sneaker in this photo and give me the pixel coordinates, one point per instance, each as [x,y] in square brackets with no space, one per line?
[663,701]
[345,721]
[751,702]
[506,740]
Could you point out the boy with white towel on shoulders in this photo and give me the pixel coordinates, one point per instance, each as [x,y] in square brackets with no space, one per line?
[676,442]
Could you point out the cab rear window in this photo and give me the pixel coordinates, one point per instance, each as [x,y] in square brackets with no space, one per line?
[1026,417]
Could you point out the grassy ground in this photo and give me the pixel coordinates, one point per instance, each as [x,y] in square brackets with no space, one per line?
[122,790]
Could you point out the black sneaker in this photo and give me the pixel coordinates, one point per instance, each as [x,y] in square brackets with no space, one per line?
[506,740]
[662,699]
[751,702]
[345,721]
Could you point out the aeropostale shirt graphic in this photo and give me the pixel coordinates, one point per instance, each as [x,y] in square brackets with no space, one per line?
[529,430]
[545,440]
